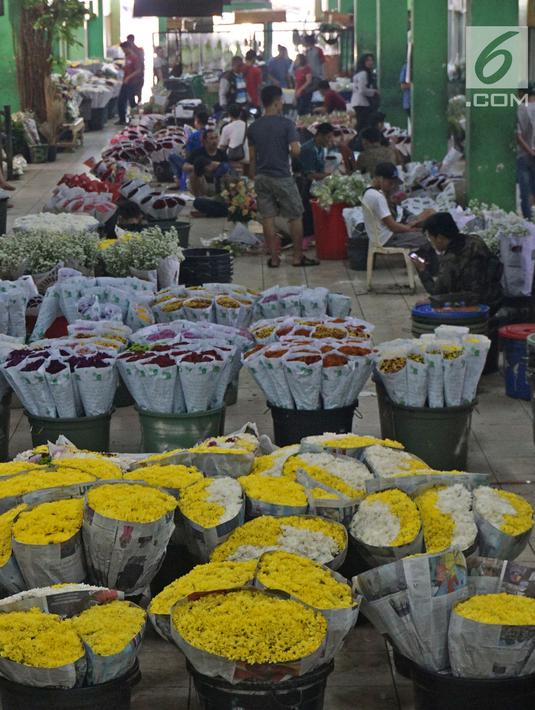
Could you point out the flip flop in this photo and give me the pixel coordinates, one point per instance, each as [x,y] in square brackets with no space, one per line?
[271,265]
[305,261]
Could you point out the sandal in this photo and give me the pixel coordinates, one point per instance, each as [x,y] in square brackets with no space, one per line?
[272,265]
[305,261]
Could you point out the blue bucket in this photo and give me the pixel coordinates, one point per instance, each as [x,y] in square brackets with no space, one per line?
[513,339]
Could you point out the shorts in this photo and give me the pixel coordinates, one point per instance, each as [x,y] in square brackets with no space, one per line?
[278,197]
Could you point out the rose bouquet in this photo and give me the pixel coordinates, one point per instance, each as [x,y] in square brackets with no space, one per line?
[321,540]
[210,509]
[241,200]
[301,374]
[504,520]
[387,527]
[63,383]
[178,378]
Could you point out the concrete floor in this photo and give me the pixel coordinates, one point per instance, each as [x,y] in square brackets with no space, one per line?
[501,444]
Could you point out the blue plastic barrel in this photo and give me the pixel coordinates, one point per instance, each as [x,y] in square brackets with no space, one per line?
[513,339]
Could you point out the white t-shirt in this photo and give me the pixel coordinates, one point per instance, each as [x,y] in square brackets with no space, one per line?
[232,136]
[378,206]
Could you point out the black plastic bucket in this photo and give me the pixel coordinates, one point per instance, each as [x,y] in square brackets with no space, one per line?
[98,119]
[438,436]
[5,420]
[357,253]
[91,433]
[291,425]
[435,691]
[114,694]
[206,266]
[3,215]
[304,693]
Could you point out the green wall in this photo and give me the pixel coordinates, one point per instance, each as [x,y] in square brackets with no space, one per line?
[9,93]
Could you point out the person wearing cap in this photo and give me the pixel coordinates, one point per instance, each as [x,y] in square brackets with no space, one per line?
[466,272]
[373,152]
[525,138]
[378,216]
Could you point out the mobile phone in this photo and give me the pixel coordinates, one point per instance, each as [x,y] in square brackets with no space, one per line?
[414,255]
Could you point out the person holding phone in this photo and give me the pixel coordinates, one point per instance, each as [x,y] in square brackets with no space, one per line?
[466,272]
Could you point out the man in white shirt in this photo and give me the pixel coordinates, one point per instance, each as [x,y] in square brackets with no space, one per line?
[379,217]
[234,134]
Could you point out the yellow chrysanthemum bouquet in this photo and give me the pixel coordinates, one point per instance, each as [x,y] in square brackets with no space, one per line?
[504,520]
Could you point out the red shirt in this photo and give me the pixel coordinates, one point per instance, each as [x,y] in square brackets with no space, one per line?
[253,82]
[334,102]
[301,74]
[131,64]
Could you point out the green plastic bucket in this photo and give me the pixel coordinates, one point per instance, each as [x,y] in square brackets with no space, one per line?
[163,432]
[92,433]
[437,436]
[5,421]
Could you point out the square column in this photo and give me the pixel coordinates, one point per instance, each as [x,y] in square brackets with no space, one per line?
[365,19]
[392,20]
[95,34]
[9,90]
[491,129]
[429,79]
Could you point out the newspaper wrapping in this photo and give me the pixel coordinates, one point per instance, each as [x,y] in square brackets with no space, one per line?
[413,485]
[490,650]
[340,510]
[314,302]
[64,394]
[236,672]
[338,305]
[492,542]
[396,385]
[275,374]
[159,386]
[255,508]
[304,382]
[199,382]
[97,387]
[124,555]
[11,579]
[410,602]
[227,464]
[45,495]
[43,565]
[202,541]
[476,349]
[381,555]
[454,374]
[335,384]
[69,676]
[416,383]
[435,380]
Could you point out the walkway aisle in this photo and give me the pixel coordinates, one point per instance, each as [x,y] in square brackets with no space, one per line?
[501,444]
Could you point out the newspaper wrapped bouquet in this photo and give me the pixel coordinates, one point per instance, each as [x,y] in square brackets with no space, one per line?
[346,444]
[68,637]
[187,377]
[249,634]
[299,373]
[301,301]
[410,601]
[505,522]
[269,331]
[432,372]
[62,383]
[321,540]
[210,510]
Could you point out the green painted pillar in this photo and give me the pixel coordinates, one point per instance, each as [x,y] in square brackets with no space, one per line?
[391,55]
[333,5]
[491,130]
[268,40]
[115,22]
[429,79]
[95,33]
[365,20]
[9,92]
[77,52]
[346,6]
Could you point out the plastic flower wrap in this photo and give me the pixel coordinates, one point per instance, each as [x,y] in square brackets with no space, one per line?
[62,383]
[447,518]
[47,543]
[209,577]
[321,540]
[315,585]
[178,378]
[302,374]
[491,636]
[410,601]
[386,527]
[339,189]
[504,520]
[249,633]
[14,299]
[211,509]
[126,529]
[300,301]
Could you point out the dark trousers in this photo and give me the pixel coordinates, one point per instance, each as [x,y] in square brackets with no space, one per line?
[525,169]
[363,114]
[210,208]
[126,95]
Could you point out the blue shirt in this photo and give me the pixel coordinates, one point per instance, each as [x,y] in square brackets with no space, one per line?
[279,68]
[194,142]
[406,93]
[312,157]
